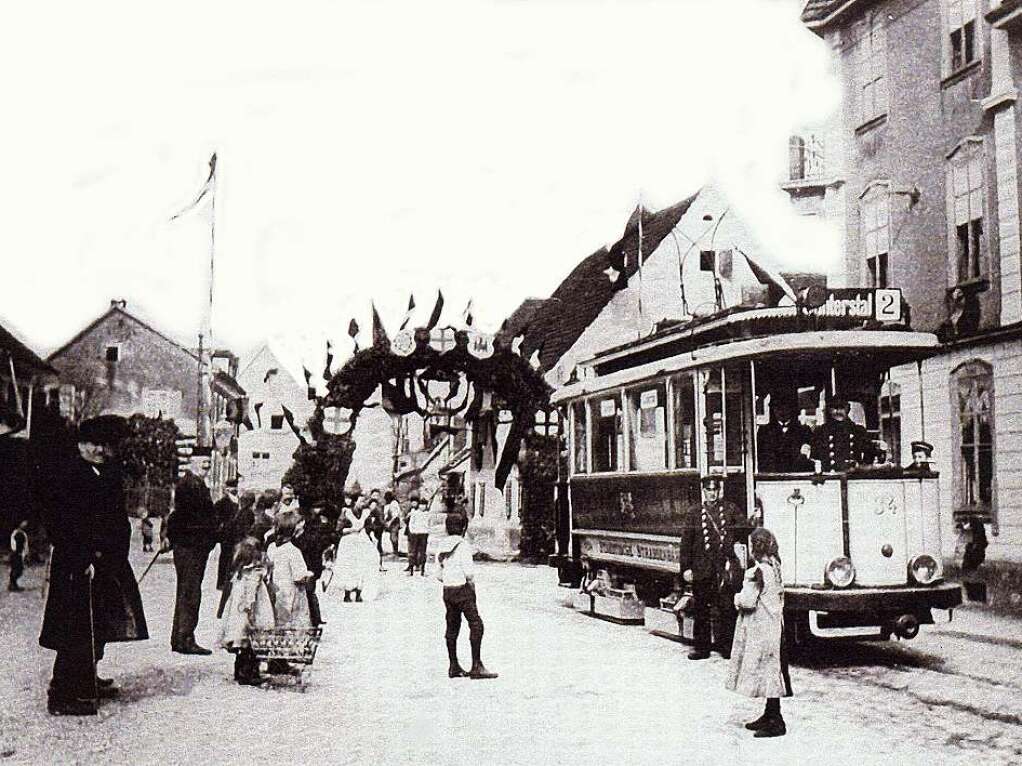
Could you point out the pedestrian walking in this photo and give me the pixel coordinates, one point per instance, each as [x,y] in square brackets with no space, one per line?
[145,529]
[191,534]
[93,599]
[19,555]
[710,565]
[418,537]
[247,608]
[457,573]
[759,664]
[392,519]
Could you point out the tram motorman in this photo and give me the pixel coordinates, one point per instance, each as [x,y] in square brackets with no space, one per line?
[779,443]
[710,564]
[840,444]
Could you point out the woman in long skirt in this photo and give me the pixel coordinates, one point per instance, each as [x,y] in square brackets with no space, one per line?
[356,567]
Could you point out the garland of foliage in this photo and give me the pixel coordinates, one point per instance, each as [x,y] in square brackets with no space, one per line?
[321,468]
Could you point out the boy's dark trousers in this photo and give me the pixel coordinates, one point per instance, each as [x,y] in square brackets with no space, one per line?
[315,614]
[458,601]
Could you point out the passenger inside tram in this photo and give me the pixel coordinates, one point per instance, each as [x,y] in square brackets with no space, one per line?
[780,441]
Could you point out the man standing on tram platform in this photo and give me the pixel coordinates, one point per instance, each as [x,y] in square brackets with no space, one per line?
[710,565]
[779,443]
[840,444]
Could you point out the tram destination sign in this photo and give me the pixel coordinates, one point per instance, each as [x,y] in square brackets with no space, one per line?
[641,552]
[855,303]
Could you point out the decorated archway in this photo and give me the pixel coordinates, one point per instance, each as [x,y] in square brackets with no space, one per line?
[474,376]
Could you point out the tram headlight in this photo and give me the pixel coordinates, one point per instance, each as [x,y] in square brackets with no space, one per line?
[840,573]
[924,569]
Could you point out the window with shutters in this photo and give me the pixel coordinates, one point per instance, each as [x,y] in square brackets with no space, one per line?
[875,216]
[972,392]
[963,45]
[966,197]
[872,80]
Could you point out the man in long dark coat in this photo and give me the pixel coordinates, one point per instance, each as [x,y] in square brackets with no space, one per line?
[779,443]
[191,534]
[93,597]
[709,564]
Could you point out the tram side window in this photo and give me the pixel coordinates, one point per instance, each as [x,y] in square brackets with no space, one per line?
[684,422]
[713,422]
[580,440]
[724,419]
[647,418]
[608,439]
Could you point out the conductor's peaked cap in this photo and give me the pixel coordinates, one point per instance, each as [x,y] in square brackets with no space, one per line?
[104,429]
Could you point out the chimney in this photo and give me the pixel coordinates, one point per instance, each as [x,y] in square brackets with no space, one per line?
[118,303]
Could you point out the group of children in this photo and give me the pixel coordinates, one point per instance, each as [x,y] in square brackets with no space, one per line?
[267,589]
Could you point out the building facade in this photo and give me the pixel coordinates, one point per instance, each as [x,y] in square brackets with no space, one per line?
[928,132]
[119,364]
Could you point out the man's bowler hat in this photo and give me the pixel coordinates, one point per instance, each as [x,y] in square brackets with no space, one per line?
[103,429]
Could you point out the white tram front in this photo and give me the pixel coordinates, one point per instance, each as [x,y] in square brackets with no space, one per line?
[860,548]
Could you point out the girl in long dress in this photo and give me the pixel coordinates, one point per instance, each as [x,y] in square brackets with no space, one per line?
[357,562]
[246,608]
[289,574]
[759,663]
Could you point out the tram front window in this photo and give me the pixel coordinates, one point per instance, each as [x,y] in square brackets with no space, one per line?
[647,418]
[723,421]
[607,435]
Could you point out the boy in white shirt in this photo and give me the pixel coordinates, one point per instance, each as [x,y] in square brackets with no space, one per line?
[457,573]
[418,536]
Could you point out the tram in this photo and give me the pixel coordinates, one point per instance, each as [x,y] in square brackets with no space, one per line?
[860,548]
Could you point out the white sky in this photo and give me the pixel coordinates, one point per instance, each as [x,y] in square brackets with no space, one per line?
[372,149]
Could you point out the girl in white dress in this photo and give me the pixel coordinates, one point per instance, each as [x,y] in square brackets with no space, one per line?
[289,574]
[356,568]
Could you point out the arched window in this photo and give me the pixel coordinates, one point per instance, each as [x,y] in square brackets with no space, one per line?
[972,401]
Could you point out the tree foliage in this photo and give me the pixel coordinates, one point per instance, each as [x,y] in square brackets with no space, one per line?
[149,453]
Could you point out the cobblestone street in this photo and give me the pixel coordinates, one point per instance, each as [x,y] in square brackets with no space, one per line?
[572,689]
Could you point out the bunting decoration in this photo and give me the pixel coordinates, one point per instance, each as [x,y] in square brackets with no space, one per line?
[353,332]
[380,339]
[438,308]
[311,389]
[466,315]
[327,372]
[534,359]
[408,313]
[257,407]
[269,374]
[290,418]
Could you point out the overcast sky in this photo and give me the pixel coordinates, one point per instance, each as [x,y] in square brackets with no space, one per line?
[368,150]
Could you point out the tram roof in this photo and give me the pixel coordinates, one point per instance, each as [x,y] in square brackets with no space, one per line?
[892,346]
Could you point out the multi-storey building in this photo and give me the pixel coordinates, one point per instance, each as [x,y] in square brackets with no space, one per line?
[929,136]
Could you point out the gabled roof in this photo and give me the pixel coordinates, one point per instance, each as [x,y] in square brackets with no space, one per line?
[22,355]
[117,307]
[522,317]
[586,291]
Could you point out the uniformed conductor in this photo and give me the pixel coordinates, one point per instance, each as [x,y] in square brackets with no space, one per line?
[841,444]
[709,563]
[93,597]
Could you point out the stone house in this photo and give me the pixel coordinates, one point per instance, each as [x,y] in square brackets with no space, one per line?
[929,141]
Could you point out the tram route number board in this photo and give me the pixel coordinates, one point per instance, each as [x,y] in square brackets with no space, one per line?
[655,554]
[881,304]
